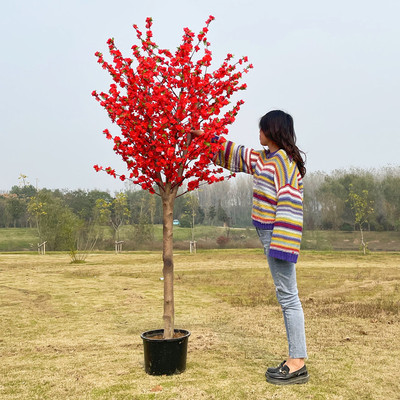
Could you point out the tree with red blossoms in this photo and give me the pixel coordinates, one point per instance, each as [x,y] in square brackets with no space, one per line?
[157,97]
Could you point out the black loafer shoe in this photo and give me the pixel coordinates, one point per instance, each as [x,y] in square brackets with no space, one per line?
[272,370]
[284,377]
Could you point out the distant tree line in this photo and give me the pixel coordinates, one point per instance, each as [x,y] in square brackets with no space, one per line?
[329,200]
[330,203]
[227,203]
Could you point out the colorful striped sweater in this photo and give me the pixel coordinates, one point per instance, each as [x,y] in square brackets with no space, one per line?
[277,194]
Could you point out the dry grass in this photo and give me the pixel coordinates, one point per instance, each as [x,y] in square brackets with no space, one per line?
[73,331]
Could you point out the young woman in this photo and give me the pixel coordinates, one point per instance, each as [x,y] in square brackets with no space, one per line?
[277,214]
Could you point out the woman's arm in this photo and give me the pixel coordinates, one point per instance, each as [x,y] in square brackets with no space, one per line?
[236,158]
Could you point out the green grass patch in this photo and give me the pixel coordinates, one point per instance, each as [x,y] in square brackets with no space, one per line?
[25,239]
[18,239]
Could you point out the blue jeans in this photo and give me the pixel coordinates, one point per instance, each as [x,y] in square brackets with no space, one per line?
[284,276]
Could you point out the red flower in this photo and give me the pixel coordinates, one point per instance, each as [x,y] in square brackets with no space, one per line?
[107,133]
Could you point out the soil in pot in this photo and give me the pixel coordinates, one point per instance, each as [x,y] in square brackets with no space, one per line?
[165,356]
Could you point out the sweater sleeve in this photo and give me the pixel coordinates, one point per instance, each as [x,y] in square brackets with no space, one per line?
[288,226]
[236,158]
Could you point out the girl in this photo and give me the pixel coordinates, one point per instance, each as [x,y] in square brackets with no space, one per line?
[277,214]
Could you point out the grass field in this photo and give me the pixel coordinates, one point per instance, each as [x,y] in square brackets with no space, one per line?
[18,239]
[73,331]
[24,239]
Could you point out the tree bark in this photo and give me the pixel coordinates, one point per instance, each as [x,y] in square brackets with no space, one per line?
[362,240]
[168,200]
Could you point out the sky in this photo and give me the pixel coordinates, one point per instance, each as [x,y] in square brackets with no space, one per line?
[334,66]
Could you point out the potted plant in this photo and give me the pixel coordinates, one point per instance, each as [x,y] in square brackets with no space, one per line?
[156,98]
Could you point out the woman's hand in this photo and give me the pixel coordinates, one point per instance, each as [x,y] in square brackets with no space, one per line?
[196,132]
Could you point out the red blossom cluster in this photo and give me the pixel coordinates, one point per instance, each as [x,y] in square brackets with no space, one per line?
[157,97]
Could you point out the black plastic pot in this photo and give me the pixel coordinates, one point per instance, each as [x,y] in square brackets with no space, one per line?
[165,356]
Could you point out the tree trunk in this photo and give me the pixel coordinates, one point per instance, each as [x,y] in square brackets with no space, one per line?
[193,215]
[168,200]
[362,239]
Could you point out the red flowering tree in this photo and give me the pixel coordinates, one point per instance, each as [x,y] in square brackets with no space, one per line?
[156,98]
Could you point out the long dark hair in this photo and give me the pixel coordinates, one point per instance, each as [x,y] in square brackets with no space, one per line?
[279,127]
